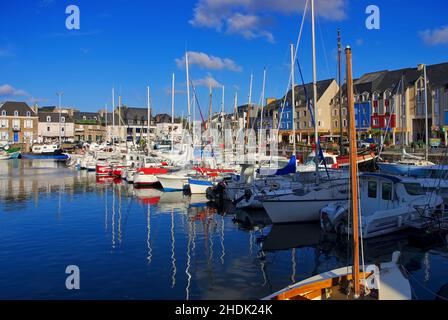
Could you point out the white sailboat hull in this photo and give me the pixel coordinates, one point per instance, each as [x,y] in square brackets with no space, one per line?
[173,182]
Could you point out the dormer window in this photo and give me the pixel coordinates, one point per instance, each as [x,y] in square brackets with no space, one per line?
[16,113]
[48,118]
[4,113]
[62,119]
[28,114]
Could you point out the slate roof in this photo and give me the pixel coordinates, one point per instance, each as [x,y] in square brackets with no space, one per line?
[54,116]
[21,107]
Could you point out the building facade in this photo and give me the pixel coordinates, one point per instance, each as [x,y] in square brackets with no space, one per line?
[89,127]
[55,125]
[18,123]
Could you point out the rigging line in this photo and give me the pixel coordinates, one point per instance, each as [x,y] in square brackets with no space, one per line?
[423,286]
[396,88]
[324,47]
[295,56]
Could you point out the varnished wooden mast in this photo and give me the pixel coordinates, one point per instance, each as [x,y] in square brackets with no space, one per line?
[353,170]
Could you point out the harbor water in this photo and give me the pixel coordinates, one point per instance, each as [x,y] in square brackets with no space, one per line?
[147,244]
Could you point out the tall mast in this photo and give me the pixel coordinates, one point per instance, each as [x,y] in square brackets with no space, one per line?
[313,40]
[113,114]
[293,103]
[148,97]
[235,116]
[341,150]
[426,115]
[60,94]
[210,107]
[249,108]
[107,128]
[172,113]
[263,93]
[222,108]
[403,112]
[353,170]
[119,119]
[188,90]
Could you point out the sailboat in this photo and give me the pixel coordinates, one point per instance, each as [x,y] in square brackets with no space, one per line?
[386,282]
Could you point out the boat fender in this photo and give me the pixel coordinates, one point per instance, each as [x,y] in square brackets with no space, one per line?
[373,282]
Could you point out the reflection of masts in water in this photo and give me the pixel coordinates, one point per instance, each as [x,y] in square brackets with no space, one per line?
[251,241]
[223,251]
[106,209]
[113,217]
[173,257]
[427,267]
[119,216]
[59,202]
[187,270]
[148,236]
[293,260]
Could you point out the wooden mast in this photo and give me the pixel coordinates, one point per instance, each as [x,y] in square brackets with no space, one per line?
[353,171]
[341,148]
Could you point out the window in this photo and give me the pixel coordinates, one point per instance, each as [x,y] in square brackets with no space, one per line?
[62,129]
[336,123]
[304,124]
[344,123]
[48,129]
[16,113]
[4,135]
[48,119]
[28,114]
[375,122]
[84,118]
[319,124]
[414,189]
[386,190]
[62,119]
[28,124]
[16,124]
[3,113]
[372,189]
[4,123]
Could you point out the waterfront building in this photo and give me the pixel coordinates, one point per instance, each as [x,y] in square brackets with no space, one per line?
[53,125]
[18,122]
[89,127]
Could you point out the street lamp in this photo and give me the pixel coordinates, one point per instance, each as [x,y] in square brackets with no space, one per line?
[60,94]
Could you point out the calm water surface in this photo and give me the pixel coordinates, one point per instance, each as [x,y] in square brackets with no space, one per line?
[146,244]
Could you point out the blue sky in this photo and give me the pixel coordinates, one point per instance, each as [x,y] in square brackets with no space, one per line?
[132,44]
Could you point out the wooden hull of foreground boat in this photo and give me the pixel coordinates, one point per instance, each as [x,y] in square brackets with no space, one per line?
[386,283]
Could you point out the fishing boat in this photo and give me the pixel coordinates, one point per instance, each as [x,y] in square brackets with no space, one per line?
[304,204]
[46,152]
[334,161]
[371,282]
[200,185]
[174,181]
[147,177]
[390,204]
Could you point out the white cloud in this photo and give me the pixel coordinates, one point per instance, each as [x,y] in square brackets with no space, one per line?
[208,62]
[435,36]
[8,90]
[231,15]
[207,81]
[248,26]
